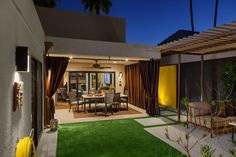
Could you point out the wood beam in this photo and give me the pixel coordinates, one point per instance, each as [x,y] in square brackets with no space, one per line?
[219,51]
[202,40]
[218,43]
[179,77]
[202,78]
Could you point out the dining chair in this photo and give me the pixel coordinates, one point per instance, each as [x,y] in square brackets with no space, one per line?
[63,94]
[108,100]
[125,100]
[116,101]
[73,100]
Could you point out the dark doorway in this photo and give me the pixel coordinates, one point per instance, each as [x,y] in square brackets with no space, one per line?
[36,81]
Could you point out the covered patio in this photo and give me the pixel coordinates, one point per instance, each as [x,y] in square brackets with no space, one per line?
[96,66]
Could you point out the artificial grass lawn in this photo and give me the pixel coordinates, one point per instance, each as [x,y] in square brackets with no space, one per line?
[116,138]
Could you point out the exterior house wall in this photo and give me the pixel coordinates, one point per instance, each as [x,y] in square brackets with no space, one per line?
[20,26]
[84,67]
[82,26]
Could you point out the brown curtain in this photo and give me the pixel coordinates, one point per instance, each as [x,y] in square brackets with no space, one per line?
[150,75]
[55,69]
[133,83]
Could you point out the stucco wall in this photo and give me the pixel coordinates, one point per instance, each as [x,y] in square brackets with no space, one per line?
[20,26]
[117,68]
[82,26]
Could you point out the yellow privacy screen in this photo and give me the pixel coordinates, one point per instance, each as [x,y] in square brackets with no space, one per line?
[167,89]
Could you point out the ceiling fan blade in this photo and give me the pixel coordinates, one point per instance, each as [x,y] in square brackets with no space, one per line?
[105,67]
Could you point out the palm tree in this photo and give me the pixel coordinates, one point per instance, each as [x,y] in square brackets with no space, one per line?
[191,15]
[46,3]
[216,11]
[95,6]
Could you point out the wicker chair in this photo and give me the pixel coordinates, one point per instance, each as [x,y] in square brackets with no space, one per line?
[116,101]
[108,99]
[125,100]
[73,100]
[201,115]
[63,94]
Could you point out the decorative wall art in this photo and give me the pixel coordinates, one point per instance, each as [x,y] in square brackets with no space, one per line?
[17,95]
[120,79]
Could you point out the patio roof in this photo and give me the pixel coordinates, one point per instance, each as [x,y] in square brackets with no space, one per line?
[177,35]
[79,48]
[216,40]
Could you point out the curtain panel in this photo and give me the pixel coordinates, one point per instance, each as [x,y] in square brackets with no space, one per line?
[55,69]
[133,82]
[149,71]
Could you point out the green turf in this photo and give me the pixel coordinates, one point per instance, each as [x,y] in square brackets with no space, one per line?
[116,138]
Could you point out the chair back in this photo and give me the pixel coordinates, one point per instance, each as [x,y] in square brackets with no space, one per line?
[72,97]
[63,93]
[116,97]
[109,96]
[126,92]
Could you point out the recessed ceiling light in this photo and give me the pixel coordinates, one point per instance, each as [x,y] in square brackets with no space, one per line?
[126,59]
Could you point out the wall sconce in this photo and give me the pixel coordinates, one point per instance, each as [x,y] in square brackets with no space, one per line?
[120,78]
[22,59]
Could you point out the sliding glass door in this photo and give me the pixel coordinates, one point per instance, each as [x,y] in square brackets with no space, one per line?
[106,81]
[91,81]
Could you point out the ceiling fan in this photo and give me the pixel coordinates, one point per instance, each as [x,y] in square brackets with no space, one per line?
[98,66]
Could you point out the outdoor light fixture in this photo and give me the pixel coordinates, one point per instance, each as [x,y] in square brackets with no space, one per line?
[70,58]
[22,59]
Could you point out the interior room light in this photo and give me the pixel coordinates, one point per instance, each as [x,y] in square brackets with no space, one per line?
[70,58]
[126,59]
[114,62]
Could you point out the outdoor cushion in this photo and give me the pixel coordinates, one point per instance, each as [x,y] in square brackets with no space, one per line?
[229,109]
[231,118]
[218,122]
[199,108]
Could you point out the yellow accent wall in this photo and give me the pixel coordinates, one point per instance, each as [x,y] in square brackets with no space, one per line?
[167,89]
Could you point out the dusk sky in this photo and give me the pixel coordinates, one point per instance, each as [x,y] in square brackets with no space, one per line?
[151,21]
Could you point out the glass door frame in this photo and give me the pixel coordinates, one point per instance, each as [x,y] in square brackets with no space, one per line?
[88,72]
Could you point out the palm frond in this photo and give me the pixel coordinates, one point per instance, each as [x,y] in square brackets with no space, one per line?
[95,6]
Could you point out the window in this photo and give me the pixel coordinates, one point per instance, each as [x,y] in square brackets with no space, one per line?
[91,81]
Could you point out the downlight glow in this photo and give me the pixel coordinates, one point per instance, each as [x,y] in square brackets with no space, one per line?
[17,77]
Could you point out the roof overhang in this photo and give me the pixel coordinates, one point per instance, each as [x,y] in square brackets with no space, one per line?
[80,48]
[217,40]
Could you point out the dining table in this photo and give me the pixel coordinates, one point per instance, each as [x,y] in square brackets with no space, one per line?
[96,98]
